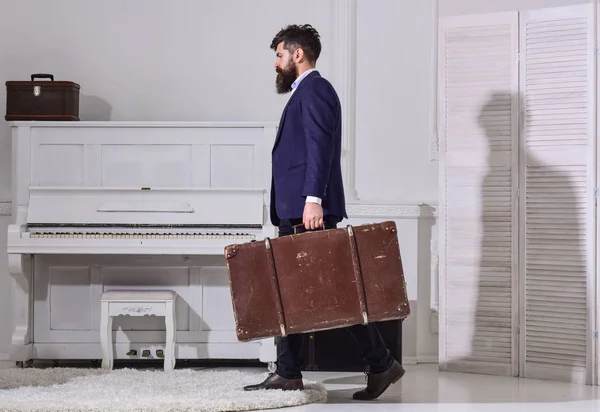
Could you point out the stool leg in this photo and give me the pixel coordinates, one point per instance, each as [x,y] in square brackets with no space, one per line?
[170,324]
[173,358]
[106,337]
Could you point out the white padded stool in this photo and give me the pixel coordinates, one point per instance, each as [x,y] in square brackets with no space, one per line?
[137,303]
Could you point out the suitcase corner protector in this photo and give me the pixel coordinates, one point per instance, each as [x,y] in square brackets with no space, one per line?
[231,251]
[242,334]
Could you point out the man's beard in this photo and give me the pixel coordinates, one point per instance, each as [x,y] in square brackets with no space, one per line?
[285,78]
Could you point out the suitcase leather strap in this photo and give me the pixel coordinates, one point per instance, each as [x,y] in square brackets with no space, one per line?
[275,286]
[358,275]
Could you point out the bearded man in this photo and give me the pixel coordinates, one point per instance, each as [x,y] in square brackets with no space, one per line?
[307,191]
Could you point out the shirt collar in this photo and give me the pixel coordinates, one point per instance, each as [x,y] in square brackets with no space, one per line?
[300,78]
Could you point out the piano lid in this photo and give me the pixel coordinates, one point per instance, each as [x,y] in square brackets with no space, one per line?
[52,206]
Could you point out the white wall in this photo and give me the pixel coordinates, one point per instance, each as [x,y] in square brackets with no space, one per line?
[395,116]
[395,127]
[463,7]
[148,60]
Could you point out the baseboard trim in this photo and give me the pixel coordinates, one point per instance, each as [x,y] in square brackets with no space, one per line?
[409,360]
[428,359]
[414,360]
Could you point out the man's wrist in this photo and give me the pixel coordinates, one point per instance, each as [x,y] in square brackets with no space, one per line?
[313,199]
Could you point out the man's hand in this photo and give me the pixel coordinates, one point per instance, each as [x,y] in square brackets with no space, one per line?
[313,216]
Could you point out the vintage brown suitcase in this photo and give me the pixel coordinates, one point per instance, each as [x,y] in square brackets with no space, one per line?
[317,280]
[42,100]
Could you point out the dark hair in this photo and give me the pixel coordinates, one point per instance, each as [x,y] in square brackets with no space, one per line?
[304,37]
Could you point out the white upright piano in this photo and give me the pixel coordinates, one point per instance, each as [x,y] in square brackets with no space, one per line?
[117,205]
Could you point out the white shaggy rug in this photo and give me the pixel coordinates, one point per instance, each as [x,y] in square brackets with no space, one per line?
[130,390]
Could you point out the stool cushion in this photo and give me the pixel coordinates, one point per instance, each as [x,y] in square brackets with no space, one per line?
[141,295]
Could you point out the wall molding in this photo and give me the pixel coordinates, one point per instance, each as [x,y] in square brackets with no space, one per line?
[434,134]
[435,263]
[344,77]
[434,147]
[398,211]
[5,208]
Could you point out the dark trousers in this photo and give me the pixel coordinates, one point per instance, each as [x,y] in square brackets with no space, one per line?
[369,340]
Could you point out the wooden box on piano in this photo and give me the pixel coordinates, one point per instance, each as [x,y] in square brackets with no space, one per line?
[317,281]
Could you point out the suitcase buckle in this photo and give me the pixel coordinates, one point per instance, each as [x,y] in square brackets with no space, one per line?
[37,90]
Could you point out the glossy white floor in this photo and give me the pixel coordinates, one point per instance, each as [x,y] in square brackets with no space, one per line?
[424,388]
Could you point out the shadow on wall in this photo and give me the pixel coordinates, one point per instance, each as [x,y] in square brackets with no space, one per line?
[550,236]
[492,336]
[94,108]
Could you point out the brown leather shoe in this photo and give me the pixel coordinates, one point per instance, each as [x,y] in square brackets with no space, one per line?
[275,381]
[377,383]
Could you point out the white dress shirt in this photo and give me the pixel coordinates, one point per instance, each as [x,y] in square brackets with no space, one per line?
[311,199]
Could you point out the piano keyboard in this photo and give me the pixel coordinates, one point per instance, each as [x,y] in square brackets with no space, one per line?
[88,235]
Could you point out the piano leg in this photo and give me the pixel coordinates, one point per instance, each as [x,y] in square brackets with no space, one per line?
[268,353]
[20,267]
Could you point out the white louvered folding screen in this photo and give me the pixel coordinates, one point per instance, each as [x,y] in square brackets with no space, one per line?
[557,84]
[517,274]
[478,87]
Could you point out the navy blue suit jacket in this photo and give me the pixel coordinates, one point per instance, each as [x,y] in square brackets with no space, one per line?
[306,155]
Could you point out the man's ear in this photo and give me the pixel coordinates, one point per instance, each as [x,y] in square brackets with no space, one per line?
[298,55]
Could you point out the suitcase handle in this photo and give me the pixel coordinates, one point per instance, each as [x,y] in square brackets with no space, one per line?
[302,224]
[42,76]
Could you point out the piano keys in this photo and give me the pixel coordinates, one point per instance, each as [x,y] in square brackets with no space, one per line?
[76,233]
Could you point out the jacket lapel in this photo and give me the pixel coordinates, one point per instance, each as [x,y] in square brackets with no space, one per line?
[280,128]
[282,120]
